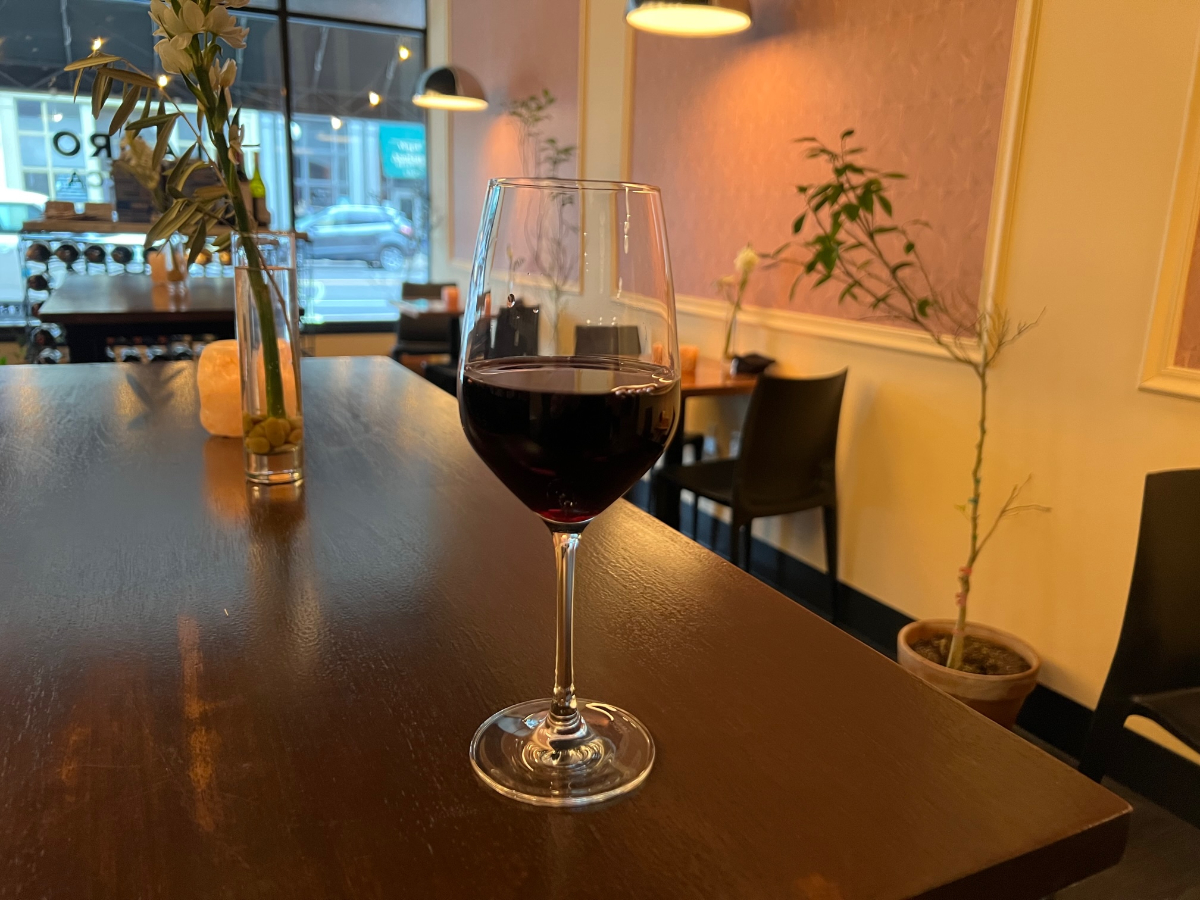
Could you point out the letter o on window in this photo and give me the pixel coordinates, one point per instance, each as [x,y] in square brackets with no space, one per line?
[70,140]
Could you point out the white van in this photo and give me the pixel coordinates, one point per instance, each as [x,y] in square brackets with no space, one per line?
[16,207]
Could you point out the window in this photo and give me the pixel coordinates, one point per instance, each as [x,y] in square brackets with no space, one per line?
[12,215]
[357,142]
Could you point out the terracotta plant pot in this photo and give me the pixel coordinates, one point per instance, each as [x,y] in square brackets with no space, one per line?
[999,697]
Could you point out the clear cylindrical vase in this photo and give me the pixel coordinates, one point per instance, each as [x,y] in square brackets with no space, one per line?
[268,333]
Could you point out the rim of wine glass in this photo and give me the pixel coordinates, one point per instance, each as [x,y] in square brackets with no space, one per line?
[582,184]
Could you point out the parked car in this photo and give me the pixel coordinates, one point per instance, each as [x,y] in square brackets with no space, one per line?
[376,234]
[16,207]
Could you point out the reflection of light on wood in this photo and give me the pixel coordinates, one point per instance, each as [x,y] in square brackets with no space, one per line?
[201,741]
[224,478]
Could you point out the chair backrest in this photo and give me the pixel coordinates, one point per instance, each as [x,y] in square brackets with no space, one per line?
[789,443]
[1159,647]
[607,340]
[430,327]
[418,290]
[516,331]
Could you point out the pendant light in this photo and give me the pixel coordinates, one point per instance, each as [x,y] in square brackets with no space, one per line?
[689,18]
[449,87]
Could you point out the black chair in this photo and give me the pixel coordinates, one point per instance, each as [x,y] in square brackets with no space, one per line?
[516,334]
[1156,670]
[786,464]
[607,340]
[422,333]
[622,340]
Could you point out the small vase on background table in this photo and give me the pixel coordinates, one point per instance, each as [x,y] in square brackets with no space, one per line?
[268,332]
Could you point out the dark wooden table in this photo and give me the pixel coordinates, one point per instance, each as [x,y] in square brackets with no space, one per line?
[206,693]
[94,308]
[710,379]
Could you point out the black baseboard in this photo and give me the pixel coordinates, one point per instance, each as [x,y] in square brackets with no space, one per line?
[1139,764]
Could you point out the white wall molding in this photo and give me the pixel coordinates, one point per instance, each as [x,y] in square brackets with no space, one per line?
[870,334]
[1159,372]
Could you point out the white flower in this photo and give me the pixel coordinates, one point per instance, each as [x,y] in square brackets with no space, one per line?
[235,142]
[746,261]
[185,24]
[221,24]
[174,59]
[222,78]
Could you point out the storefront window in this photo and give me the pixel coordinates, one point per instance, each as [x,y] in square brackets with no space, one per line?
[358,177]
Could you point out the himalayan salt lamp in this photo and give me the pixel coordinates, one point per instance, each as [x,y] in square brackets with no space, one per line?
[689,355]
[220,384]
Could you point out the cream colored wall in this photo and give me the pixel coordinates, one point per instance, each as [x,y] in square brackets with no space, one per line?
[1107,100]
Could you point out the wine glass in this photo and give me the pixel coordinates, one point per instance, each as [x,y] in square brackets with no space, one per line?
[568,387]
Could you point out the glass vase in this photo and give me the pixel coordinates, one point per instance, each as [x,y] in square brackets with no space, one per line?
[268,334]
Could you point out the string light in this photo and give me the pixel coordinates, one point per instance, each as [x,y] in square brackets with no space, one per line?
[97,43]
[335,122]
[404,53]
[372,98]
[162,81]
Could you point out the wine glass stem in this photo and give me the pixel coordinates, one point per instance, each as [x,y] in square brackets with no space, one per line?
[564,718]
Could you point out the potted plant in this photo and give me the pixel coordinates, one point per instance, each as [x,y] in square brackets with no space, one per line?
[194,37]
[846,234]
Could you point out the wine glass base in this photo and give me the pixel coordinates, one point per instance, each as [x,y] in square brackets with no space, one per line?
[515,754]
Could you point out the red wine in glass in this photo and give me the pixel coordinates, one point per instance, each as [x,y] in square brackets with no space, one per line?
[568,435]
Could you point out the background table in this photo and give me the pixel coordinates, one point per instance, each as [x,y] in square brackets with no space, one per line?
[209,693]
[94,308]
[710,379]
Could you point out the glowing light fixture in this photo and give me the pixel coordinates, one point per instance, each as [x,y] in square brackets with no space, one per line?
[335,123]
[162,80]
[97,43]
[689,18]
[404,53]
[372,98]
[449,87]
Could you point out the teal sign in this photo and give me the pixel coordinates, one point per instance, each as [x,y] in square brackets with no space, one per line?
[402,147]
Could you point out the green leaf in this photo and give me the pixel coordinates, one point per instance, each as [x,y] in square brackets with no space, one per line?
[150,122]
[886,204]
[128,102]
[101,88]
[129,77]
[799,223]
[180,171]
[163,143]
[894,175]
[923,307]
[89,62]
[197,242]
[209,192]
[910,247]
[164,226]
[850,211]
[795,284]
[824,278]
[847,133]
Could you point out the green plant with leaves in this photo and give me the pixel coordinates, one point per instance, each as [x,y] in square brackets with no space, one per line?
[541,156]
[193,38]
[551,230]
[847,235]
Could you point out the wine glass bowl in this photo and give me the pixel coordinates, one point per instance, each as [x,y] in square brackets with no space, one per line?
[569,392]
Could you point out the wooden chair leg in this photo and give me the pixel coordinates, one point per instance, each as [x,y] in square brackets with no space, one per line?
[831,561]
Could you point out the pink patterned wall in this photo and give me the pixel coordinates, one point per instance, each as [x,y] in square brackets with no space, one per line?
[514,52]
[922,81]
[1187,350]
